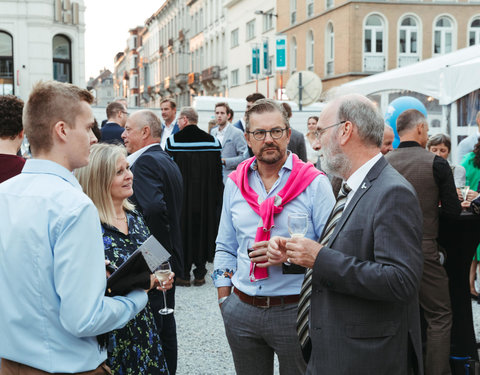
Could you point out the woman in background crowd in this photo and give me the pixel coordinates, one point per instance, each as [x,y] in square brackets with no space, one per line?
[471,163]
[312,155]
[441,145]
[107,180]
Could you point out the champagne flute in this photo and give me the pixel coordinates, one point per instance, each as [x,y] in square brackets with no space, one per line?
[252,274]
[297,224]
[162,272]
[464,190]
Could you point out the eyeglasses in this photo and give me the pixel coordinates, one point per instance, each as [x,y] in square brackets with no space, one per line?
[318,134]
[125,113]
[260,135]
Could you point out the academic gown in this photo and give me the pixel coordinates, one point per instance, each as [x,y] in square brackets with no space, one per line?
[197,155]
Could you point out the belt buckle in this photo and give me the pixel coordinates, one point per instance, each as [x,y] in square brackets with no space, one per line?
[268,302]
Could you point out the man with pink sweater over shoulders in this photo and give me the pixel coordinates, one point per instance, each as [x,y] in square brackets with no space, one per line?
[258,198]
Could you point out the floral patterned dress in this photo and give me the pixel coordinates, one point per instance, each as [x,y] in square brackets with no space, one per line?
[136,348]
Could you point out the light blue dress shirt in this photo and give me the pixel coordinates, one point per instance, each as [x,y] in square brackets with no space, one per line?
[238,226]
[52,273]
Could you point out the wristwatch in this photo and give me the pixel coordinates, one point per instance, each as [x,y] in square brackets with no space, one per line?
[222,300]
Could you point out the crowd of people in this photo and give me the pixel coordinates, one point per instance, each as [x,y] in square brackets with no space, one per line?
[345,296]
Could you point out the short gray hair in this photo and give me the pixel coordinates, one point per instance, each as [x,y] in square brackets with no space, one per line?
[266,105]
[409,119]
[361,112]
[150,119]
[190,114]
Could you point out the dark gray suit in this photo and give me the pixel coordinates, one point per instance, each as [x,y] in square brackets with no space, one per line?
[297,145]
[364,309]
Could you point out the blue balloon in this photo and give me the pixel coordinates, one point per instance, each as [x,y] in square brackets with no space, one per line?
[398,106]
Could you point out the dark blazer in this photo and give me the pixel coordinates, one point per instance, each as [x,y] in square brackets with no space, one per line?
[297,145]
[112,133]
[158,191]
[364,307]
[239,125]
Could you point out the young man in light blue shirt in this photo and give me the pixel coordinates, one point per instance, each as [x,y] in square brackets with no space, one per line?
[52,273]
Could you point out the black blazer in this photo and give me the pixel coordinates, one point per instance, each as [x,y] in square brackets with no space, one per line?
[158,189]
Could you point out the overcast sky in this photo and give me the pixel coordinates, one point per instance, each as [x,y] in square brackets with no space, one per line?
[107,24]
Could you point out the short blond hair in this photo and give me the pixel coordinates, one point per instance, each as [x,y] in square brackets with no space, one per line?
[48,103]
[96,179]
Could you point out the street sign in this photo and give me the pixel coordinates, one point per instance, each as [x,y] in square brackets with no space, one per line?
[266,60]
[281,52]
[255,59]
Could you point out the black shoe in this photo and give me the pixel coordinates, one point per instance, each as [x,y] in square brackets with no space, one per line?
[182,282]
[199,282]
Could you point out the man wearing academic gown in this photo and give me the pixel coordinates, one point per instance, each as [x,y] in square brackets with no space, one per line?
[197,154]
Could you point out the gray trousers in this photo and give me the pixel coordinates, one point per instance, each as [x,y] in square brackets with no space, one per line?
[437,311]
[255,334]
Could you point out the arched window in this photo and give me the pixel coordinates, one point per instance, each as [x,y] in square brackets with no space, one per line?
[310,50]
[443,36]
[62,59]
[408,41]
[474,32]
[293,55]
[329,50]
[373,42]
[6,64]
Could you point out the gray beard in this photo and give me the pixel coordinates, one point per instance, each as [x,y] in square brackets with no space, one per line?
[337,165]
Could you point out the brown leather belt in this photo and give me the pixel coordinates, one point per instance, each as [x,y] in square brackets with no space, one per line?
[266,302]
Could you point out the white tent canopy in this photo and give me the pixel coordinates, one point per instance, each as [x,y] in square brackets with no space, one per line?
[446,78]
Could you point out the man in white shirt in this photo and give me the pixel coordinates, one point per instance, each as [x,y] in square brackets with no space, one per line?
[169,112]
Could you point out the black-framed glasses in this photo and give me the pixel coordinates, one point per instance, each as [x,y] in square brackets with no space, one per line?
[318,134]
[260,135]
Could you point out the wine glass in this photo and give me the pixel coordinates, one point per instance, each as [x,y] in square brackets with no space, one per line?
[162,272]
[297,224]
[464,190]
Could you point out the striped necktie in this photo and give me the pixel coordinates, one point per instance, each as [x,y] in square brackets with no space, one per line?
[306,291]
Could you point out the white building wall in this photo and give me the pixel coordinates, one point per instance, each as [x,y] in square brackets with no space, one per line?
[239,13]
[32,25]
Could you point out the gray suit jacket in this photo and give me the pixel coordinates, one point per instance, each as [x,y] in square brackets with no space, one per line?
[364,312]
[234,147]
[297,145]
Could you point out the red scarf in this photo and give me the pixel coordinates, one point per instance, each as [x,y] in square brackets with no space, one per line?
[301,176]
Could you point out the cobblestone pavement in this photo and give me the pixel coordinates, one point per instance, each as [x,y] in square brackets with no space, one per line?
[203,347]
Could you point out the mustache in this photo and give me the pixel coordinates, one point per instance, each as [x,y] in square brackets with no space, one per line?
[269,145]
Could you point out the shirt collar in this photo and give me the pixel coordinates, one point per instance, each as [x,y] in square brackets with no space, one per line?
[134,156]
[224,129]
[287,165]
[359,175]
[43,166]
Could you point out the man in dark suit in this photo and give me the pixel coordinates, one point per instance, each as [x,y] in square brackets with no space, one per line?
[297,139]
[252,98]
[116,119]
[157,186]
[358,309]
[432,178]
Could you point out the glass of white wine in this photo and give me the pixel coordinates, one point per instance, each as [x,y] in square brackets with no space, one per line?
[297,224]
[162,272]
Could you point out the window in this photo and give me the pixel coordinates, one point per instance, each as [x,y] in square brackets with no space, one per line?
[408,42]
[329,49]
[234,77]
[6,64]
[234,38]
[373,44]
[62,59]
[268,20]
[310,50]
[248,73]
[328,4]
[250,30]
[293,55]
[293,12]
[309,8]
[474,32]
[443,36]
